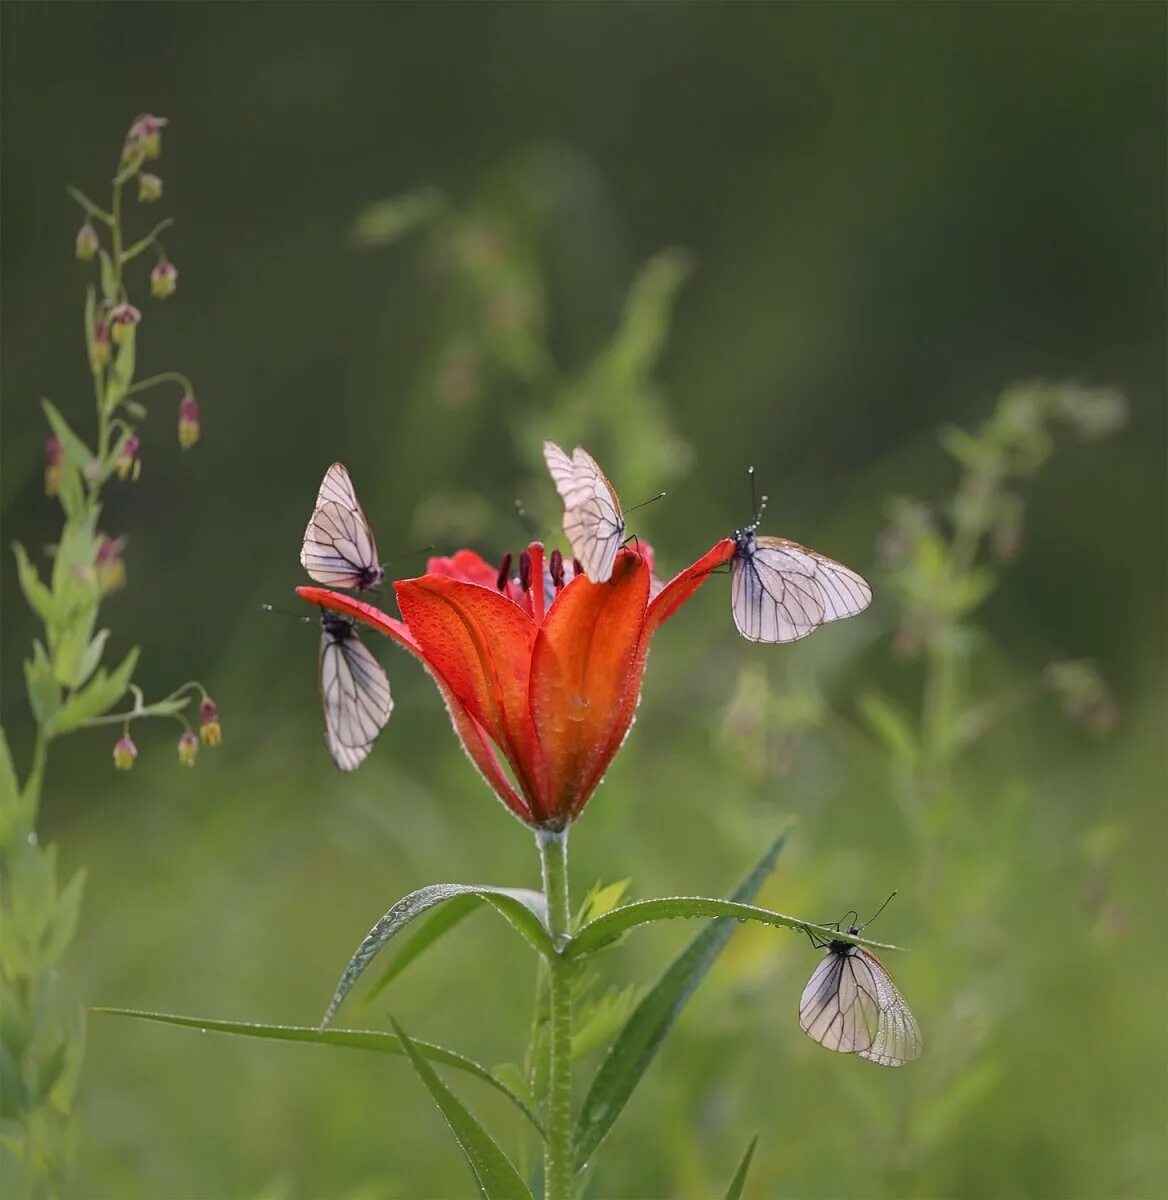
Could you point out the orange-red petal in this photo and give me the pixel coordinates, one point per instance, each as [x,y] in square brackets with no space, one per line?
[583,669]
[683,585]
[474,738]
[480,643]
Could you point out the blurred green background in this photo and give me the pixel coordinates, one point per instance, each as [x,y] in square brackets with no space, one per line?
[890,213]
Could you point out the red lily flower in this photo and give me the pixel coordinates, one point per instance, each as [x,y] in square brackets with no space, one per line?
[546,673]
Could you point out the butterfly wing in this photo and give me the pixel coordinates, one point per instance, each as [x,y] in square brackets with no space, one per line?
[338,548]
[898,1036]
[593,522]
[781,591]
[337,488]
[839,1007]
[354,693]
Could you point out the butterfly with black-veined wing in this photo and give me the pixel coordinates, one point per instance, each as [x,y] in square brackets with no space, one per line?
[338,549]
[851,1005]
[354,689]
[781,591]
[354,692]
[593,522]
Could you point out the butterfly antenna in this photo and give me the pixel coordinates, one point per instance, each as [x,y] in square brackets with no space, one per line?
[878,911]
[756,506]
[651,500]
[283,612]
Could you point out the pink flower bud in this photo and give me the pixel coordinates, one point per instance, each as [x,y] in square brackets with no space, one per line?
[149,188]
[54,465]
[210,732]
[99,348]
[188,749]
[110,567]
[144,137]
[128,464]
[163,279]
[123,318]
[188,421]
[125,753]
[87,242]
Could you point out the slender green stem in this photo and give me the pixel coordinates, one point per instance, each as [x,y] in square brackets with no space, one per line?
[163,377]
[558,1166]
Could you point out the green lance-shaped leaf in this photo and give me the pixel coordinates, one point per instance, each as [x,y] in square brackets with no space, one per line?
[44,694]
[524,909]
[734,1191]
[352,1039]
[598,934]
[452,913]
[78,452]
[630,1055]
[493,1172]
[40,598]
[102,692]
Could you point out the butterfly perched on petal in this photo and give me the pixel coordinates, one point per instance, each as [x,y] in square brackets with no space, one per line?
[354,692]
[338,549]
[851,1005]
[593,522]
[781,591]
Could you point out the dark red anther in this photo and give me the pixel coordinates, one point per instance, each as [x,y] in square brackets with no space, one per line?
[525,571]
[504,573]
[577,567]
[556,569]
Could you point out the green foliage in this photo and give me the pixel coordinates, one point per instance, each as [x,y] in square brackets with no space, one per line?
[524,909]
[493,1172]
[637,1045]
[734,1191]
[352,1039]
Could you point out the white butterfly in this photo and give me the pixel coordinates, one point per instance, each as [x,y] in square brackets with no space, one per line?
[593,521]
[338,549]
[354,692]
[850,1004]
[781,591]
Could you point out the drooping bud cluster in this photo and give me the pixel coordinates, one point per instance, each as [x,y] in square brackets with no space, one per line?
[188,749]
[163,279]
[87,242]
[129,464]
[99,346]
[149,188]
[125,753]
[54,465]
[188,421]
[123,318]
[210,732]
[110,567]
[144,137]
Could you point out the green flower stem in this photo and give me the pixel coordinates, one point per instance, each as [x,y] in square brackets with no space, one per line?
[558,1160]
[163,377]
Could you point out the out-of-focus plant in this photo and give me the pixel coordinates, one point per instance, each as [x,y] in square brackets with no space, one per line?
[70,685]
[942,563]
[482,260]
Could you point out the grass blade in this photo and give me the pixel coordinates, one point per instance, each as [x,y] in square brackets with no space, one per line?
[496,1177]
[734,1191]
[353,1039]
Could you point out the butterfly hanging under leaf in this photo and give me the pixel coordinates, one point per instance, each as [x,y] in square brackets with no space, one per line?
[354,692]
[851,1005]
